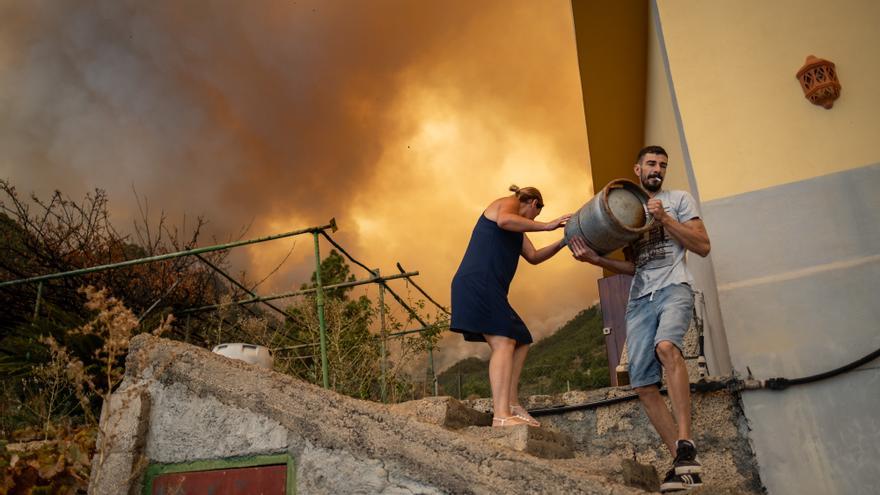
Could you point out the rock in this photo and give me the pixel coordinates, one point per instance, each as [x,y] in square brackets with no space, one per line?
[640,475]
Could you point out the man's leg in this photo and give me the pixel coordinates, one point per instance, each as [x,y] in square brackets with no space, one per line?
[658,413]
[644,369]
[685,472]
[678,386]
[676,309]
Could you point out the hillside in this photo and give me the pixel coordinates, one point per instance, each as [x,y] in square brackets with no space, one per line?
[573,357]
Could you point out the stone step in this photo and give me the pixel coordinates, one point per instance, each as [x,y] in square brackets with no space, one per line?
[539,442]
[450,413]
[443,411]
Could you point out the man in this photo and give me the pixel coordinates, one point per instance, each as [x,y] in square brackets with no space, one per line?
[659,310]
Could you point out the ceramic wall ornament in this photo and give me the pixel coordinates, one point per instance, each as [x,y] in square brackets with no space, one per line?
[818,79]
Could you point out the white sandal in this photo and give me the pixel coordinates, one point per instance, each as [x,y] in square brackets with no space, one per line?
[521,413]
[502,422]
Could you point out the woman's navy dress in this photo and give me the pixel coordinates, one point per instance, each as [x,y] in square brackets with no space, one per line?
[479,288]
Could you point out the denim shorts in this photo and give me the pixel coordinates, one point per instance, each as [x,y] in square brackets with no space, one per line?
[662,315]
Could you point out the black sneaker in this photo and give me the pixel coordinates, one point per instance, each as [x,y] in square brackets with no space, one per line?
[686,459]
[679,482]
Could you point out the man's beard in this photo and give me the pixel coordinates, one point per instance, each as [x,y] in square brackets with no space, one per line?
[653,187]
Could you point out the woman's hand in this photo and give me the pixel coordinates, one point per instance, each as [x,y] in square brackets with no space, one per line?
[582,252]
[557,223]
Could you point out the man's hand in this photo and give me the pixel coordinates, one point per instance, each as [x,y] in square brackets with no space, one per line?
[655,208]
[558,222]
[582,252]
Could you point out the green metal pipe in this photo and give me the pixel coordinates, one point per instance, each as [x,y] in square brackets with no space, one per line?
[37,304]
[431,367]
[407,332]
[371,280]
[156,303]
[439,306]
[241,286]
[178,254]
[319,291]
[238,284]
[382,343]
[389,335]
[424,324]
[389,289]
[294,347]
[344,252]
[400,301]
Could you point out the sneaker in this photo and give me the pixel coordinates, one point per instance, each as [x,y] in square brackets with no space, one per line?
[679,482]
[686,459]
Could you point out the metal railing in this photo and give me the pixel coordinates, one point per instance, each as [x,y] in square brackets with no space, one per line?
[318,290]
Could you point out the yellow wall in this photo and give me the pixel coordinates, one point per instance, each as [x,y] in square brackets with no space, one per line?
[747,123]
[611,43]
[660,125]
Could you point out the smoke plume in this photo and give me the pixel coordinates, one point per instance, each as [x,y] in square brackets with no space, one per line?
[401,119]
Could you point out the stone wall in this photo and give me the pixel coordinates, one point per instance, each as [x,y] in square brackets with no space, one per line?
[180,403]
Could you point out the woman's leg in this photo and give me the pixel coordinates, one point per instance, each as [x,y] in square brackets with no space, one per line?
[519,359]
[500,369]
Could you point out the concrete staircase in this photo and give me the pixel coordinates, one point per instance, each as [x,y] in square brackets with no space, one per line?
[180,404]
[615,442]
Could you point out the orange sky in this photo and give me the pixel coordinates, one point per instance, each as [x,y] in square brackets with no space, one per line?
[401,119]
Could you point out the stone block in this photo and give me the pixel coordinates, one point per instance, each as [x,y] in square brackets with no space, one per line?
[539,442]
[443,411]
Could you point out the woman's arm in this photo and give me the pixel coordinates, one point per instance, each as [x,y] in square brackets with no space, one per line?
[508,218]
[535,256]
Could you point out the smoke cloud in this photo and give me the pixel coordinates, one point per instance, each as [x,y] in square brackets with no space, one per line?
[401,119]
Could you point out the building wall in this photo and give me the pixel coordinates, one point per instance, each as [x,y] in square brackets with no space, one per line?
[789,195]
[747,123]
[661,127]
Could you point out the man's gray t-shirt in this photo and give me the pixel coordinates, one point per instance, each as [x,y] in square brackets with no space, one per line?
[659,258]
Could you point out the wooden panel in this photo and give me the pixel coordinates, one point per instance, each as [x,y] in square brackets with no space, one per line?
[613,296]
[260,480]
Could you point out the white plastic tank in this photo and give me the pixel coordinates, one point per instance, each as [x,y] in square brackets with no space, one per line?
[249,353]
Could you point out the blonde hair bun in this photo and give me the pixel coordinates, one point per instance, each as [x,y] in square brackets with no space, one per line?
[514,188]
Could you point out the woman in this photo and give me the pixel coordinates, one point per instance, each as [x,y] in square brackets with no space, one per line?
[480,310]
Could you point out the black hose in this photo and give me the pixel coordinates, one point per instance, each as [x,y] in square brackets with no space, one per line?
[705,386]
[732,384]
[588,405]
[784,383]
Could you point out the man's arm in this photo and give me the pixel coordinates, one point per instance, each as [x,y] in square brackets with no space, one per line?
[535,256]
[582,252]
[690,234]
